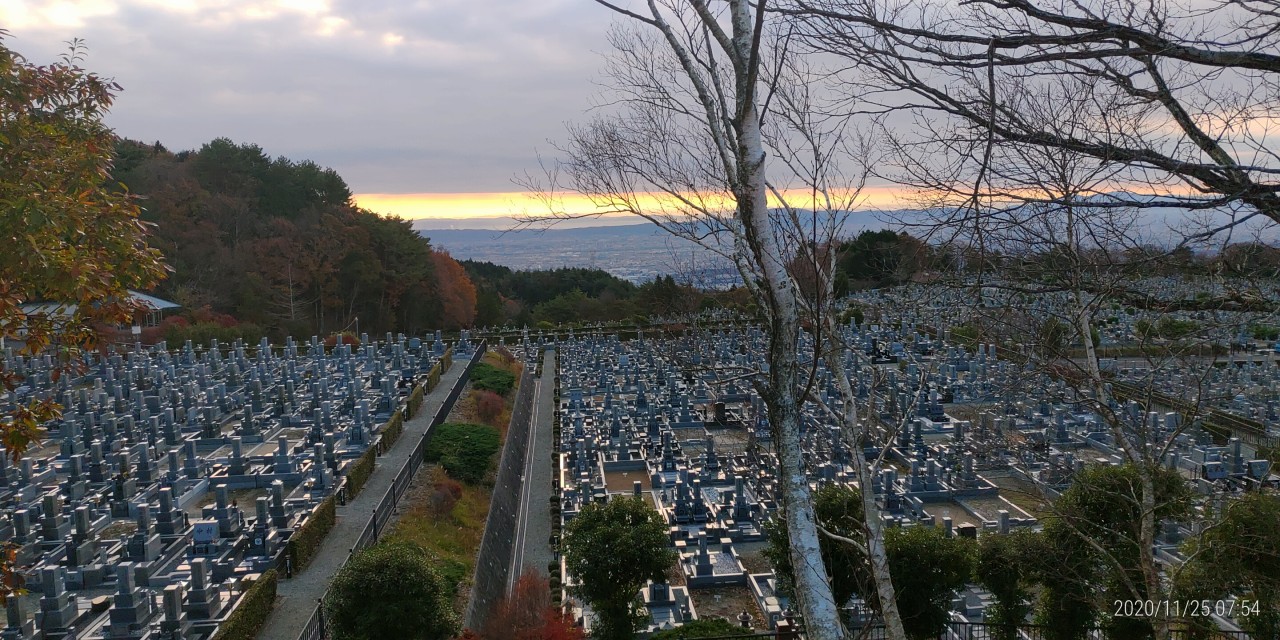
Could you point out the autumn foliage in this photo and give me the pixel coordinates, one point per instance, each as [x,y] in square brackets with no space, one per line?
[69,241]
[527,614]
[445,493]
[457,293]
[279,244]
[489,407]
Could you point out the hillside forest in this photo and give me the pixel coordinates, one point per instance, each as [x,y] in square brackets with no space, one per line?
[263,246]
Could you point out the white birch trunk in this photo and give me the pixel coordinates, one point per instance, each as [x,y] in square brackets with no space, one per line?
[812,585]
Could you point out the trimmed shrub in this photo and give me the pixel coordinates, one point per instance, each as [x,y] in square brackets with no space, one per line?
[433,377]
[390,591]
[201,333]
[465,451]
[305,541]
[252,611]
[359,473]
[392,430]
[415,401]
[487,377]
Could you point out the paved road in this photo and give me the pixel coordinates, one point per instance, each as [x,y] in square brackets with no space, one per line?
[532,548]
[298,597]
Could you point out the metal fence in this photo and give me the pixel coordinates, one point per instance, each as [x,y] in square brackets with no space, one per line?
[984,631]
[971,631]
[315,627]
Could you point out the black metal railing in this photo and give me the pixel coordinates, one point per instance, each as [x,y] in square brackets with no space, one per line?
[382,514]
[978,631]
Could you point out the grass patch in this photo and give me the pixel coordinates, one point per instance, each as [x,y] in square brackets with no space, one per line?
[454,538]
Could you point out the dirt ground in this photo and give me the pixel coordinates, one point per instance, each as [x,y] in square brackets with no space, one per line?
[727,603]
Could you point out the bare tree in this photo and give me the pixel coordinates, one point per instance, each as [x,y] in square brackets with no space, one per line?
[714,135]
[1054,252]
[1182,96]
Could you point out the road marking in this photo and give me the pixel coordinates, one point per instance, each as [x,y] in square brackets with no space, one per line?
[526,490]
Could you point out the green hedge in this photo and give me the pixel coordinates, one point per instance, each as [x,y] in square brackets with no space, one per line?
[392,430]
[433,376]
[305,541]
[415,401]
[249,616]
[359,473]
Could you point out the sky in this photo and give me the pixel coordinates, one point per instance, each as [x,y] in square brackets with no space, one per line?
[427,108]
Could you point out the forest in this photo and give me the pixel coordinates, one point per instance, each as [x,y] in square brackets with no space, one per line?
[262,246]
[272,246]
[575,296]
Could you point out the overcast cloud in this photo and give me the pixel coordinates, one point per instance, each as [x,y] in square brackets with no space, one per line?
[399,96]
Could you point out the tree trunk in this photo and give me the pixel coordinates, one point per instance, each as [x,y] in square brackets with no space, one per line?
[812,585]
[877,554]
[1139,454]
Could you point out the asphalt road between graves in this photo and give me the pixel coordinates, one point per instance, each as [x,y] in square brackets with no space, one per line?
[297,598]
[532,548]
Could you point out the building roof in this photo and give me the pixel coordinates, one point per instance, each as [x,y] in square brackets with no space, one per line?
[154,302]
[47,307]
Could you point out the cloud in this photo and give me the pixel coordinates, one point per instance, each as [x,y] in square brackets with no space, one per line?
[398,96]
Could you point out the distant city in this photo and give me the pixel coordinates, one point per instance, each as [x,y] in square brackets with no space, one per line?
[634,252]
[637,252]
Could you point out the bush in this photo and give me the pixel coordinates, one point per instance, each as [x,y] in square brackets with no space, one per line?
[444,495]
[433,377]
[202,333]
[390,591]
[1264,332]
[392,430]
[465,451]
[249,616]
[489,407]
[305,541]
[487,377]
[359,473]
[527,614]
[415,401]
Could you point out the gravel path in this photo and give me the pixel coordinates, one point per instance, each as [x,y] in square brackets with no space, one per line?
[297,598]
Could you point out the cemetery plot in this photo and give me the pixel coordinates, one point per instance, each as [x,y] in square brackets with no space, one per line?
[974,438]
[175,478]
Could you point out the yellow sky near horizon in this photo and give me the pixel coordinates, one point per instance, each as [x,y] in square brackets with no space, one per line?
[417,206]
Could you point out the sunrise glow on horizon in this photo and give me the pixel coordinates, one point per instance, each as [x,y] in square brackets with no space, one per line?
[420,206]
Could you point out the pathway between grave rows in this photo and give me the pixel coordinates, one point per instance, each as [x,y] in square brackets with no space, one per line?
[297,597]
